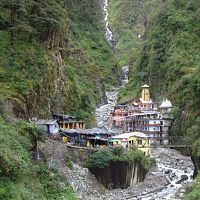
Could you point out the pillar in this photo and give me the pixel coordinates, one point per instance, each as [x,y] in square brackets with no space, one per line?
[77,125]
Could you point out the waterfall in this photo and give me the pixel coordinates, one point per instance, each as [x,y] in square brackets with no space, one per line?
[125,72]
[109,35]
[134,175]
[111,39]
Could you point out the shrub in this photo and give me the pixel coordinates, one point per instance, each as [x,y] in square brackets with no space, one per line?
[100,159]
[118,151]
[193,192]
[69,163]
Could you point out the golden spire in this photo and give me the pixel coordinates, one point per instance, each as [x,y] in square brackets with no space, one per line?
[145,93]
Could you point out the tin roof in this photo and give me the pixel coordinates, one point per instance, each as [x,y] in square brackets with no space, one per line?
[46,122]
[128,135]
[92,131]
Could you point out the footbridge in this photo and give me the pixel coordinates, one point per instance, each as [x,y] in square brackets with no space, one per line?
[169,142]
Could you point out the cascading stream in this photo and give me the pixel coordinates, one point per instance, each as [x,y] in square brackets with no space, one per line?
[109,35]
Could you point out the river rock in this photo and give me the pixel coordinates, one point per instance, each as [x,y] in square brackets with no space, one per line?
[183,178]
[169,171]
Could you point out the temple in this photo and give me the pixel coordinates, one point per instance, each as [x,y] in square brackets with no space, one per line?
[143,115]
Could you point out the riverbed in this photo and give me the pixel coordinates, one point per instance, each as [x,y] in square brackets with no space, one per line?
[166,181]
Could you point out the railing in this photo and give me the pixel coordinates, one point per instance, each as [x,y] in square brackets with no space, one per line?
[170,141]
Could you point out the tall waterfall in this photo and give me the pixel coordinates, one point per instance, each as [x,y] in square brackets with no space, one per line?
[109,35]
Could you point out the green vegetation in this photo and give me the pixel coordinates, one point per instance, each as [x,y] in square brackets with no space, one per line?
[20,176]
[103,157]
[168,58]
[172,51]
[193,192]
[129,21]
[54,57]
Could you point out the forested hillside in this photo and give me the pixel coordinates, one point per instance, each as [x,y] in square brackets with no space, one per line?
[169,58]
[53,58]
[129,21]
[21,177]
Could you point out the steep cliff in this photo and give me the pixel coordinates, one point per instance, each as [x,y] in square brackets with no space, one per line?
[54,57]
[116,167]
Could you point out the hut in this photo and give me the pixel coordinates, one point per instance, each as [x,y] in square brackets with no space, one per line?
[49,126]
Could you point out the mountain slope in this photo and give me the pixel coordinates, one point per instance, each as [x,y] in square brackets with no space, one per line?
[169,60]
[54,57]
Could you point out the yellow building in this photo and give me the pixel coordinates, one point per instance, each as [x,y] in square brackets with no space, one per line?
[132,139]
[141,141]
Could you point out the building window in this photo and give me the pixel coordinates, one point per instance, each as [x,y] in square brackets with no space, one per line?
[139,142]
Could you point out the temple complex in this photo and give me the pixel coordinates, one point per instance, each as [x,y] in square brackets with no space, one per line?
[142,115]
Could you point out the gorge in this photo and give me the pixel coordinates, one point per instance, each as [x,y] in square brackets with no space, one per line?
[81,58]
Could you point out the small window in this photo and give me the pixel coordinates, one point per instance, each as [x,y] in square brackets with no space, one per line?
[139,142]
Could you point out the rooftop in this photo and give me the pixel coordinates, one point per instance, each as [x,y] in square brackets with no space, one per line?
[92,131]
[44,121]
[145,86]
[128,135]
[166,104]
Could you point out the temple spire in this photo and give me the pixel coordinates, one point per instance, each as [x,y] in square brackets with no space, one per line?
[145,93]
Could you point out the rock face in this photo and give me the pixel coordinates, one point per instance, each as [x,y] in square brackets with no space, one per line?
[120,174]
[83,182]
[196,161]
[101,90]
[160,182]
[103,112]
